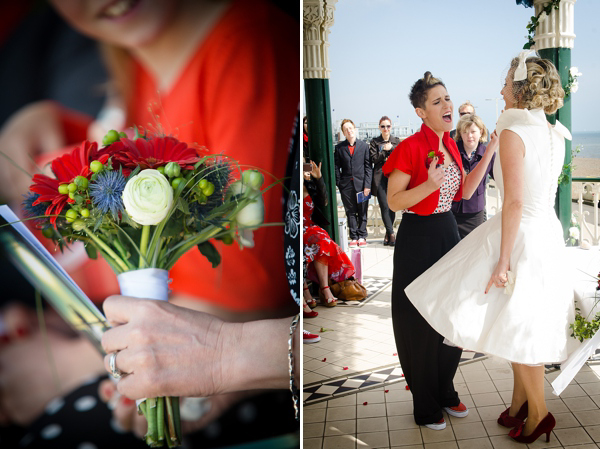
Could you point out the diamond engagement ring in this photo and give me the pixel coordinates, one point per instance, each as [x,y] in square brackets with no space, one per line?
[112,363]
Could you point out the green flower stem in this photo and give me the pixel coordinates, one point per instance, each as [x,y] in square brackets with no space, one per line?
[152,433]
[177,418]
[160,418]
[123,252]
[203,236]
[144,245]
[122,265]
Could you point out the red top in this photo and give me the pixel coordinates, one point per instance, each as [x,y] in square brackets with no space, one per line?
[351,149]
[410,157]
[237,95]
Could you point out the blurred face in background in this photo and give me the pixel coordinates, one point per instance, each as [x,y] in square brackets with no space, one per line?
[349,132]
[127,23]
[471,137]
[386,128]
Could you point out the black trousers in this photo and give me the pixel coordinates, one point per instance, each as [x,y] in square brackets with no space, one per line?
[467,222]
[388,216]
[356,213]
[428,364]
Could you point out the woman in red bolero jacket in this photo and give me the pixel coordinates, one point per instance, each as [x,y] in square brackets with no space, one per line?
[425,176]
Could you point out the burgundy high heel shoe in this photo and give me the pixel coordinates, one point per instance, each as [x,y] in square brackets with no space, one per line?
[544,427]
[513,421]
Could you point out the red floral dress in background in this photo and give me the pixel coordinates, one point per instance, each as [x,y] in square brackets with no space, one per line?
[318,246]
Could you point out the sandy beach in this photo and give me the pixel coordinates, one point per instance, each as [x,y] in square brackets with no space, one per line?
[584,166]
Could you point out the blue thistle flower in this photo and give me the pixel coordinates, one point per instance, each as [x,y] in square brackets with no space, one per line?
[106,192]
[30,211]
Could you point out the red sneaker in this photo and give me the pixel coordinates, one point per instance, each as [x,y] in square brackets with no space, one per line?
[460,411]
[310,314]
[440,425]
[362,242]
[353,243]
[307,337]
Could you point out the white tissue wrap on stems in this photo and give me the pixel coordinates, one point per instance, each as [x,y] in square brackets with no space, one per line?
[148,283]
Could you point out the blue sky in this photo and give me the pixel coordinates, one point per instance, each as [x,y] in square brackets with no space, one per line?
[380,47]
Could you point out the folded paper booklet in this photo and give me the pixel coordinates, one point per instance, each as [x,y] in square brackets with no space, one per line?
[38,266]
[361,198]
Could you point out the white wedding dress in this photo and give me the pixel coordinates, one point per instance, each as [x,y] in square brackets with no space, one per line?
[529,325]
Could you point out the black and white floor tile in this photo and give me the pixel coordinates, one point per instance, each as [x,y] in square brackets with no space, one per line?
[320,391]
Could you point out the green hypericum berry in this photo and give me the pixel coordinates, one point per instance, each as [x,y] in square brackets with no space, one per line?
[48,232]
[209,190]
[81,182]
[161,170]
[201,197]
[72,195]
[227,239]
[71,215]
[202,184]
[78,224]
[253,178]
[96,166]
[84,213]
[72,187]
[176,181]
[110,137]
[172,169]
[63,189]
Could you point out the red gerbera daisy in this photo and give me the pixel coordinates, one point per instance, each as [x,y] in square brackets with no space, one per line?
[66,168]
[153,153]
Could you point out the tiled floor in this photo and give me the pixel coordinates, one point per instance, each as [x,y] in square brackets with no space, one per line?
[361,340]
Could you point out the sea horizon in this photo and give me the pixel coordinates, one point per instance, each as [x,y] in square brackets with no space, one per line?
[590,143]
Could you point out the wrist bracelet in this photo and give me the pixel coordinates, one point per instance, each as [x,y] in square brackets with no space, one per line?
[293,387]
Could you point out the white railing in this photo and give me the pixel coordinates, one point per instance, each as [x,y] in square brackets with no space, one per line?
[585,211]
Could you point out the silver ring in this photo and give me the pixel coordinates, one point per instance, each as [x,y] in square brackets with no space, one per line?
[112,363]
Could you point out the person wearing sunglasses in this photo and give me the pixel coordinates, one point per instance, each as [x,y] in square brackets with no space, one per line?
[380,149]
[464,109]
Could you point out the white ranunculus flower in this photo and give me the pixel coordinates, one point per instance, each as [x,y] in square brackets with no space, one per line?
[148,197]
[574,233]
[574,72]
[574,87]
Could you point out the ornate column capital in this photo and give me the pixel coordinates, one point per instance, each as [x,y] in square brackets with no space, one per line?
[317,21]
[558,29]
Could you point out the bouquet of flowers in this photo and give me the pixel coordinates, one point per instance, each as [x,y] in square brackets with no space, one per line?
[141,203]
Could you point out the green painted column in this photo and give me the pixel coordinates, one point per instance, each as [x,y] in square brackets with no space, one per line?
[318,112]
[554,39]
[317,22]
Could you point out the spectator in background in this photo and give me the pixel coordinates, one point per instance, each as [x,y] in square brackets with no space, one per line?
[325,260]
[353,174]
[470,139]
[380,149]
[465,108]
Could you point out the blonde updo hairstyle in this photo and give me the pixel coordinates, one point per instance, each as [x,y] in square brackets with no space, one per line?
[541,89]
[465,123]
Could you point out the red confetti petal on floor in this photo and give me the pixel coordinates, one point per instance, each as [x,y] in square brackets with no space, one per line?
[365,403]
[324,360]
[407,387]
[345,368]
[395,354]
[402,374]
[387,391]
